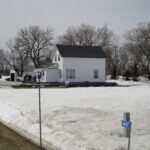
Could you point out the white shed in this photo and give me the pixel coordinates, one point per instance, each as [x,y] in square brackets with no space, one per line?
[50,74]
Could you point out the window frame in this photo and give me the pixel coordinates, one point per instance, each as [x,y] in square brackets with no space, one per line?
[58,57]
[96,74]
[55,58]
[70,74]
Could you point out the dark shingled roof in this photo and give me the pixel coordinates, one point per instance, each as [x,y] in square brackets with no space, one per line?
[81,51]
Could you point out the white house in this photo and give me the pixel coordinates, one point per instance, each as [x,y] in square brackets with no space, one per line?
[76,64]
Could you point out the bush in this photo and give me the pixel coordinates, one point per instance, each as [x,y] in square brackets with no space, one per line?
[7,79]
[135,73]
[127,74]
[149,77]
[114,72]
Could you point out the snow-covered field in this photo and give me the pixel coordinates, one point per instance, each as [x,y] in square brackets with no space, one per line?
[80,118]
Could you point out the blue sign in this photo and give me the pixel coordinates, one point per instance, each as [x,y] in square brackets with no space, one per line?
[39,75]
[126,124]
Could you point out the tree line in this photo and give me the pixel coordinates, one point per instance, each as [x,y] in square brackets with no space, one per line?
[36,45]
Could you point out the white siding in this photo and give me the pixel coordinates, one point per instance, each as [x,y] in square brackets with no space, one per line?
[60,64]
[52,75]
[48,75]
[84,69]
[43,78]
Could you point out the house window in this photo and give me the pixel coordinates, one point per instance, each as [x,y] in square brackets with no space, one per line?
[96,74]
[58,57]
[60,74]
[70,74]
[55,58]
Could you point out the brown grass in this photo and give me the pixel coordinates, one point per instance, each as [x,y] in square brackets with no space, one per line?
[10,140]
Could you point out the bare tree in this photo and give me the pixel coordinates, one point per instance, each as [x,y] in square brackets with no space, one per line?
[16,57]
[124,59]
[88,35]
[69,38]
[35,42]
[138,41]
[2,61]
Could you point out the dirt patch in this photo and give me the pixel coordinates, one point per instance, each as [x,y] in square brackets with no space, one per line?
[10,140]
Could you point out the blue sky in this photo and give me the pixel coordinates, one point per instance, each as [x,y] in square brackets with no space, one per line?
[119,15]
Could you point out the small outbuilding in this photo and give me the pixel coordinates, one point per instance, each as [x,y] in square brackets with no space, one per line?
[50,74]
[13,75]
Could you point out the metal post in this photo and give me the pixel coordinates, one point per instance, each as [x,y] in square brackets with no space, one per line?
[126,117]
[40,115]
[129,137]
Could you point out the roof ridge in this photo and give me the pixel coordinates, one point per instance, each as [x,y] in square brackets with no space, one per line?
[77,45]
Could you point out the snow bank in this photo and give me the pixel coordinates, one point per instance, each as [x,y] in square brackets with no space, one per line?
[80,118]
[128,83]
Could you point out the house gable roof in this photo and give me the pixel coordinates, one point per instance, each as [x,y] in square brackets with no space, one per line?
[81,51]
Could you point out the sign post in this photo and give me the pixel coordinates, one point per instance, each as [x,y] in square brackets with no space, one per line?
[129,137]
[126,117]
[39,77]
[126,123]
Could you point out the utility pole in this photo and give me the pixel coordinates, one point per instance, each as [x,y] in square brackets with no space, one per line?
[40,126]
